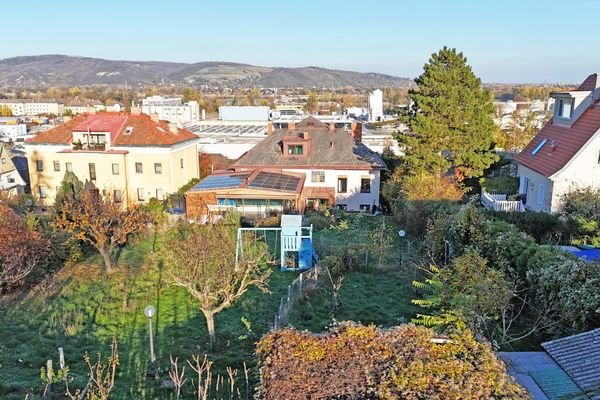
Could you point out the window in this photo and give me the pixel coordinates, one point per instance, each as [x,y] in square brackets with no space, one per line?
[295,149]
[317,176]
[181,163]
[69,167]
[160,194]
[140,194]
[364,208]
[365,185]
[157,168]
[541,195]
[42,190]
[565,107]
[117,196]
[342,185]
[92,168]
[56,166]
[10,179]
[138,168]
[115,169]
[39,165]
[539,146]
[342,207]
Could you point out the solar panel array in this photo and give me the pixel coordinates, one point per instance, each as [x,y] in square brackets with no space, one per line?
[273,181]
[233,130]
[221,181]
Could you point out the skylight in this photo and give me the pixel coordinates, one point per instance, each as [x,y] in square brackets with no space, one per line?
[539,146]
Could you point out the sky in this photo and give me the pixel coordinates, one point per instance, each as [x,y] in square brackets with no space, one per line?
[512,41]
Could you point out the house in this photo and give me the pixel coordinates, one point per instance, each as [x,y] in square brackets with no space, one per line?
[311,165]
[565,154]
[12,181]
[172,109]
[131,157]
[567,369]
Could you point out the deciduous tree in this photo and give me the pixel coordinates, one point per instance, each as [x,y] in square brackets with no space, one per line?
[450,121]
[100,221]
[201,259]
[21,248]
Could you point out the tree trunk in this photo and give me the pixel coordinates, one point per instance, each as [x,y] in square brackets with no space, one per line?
[106,257]
[210,324]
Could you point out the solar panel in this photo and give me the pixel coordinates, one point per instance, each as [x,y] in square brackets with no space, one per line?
[221,181]
[273,181]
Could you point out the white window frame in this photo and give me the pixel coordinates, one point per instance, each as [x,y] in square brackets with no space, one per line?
[541,194]
[317,176]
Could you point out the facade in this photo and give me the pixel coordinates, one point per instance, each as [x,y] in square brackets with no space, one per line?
[12,131]
[244,113]
[130,157]
[565,154]
[171,109]
[375,105]
[24,107]
[11,180]
[308,166]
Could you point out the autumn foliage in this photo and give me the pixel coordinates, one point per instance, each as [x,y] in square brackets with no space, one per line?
[359,362]
[21,248]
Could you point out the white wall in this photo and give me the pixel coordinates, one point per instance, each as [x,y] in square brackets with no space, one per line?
[13,130]
[536,200]
[353,198]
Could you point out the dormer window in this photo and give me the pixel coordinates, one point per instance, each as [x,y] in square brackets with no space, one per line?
[565,108]
[295,149]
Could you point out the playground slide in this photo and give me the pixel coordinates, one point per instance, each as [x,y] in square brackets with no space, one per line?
[306,254]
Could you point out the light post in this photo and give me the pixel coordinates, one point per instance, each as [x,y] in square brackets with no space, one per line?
[149,312]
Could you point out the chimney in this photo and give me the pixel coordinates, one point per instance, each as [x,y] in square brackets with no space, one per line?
[291,125]
[357,131]
[154,117]
[331,126]
[135,110]
[270,128]
[305,135]
[173,127]
[203,114]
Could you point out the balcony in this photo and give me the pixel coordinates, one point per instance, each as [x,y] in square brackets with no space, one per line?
[498,202]
[89,146]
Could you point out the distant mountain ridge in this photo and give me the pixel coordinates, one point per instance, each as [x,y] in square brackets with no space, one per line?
[61,70]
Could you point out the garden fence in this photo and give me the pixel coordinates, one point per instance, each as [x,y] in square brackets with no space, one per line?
[295,291]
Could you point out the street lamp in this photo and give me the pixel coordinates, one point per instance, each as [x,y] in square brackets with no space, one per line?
[149,312]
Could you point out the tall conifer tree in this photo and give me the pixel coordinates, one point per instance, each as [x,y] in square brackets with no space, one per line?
[450,120]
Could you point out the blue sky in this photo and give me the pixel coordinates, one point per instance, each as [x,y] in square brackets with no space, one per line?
[505,41]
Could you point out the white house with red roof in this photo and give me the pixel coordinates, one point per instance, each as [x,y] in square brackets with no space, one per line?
[565,154]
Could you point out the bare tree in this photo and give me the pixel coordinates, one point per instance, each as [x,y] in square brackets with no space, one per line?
[201,259]
[100,221]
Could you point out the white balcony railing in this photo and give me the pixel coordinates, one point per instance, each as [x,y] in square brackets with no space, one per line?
[498,202]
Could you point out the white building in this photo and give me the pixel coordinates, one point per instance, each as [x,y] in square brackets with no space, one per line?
[12,131]
[375,105]
[244,113]
[26,107]
[565,154]
[11,181]
[172,109]
[310,166]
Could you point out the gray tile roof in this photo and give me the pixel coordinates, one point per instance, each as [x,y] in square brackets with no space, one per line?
[329,148]
[579,356]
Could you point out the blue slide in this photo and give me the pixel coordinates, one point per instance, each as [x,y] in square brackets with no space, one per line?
[306,254]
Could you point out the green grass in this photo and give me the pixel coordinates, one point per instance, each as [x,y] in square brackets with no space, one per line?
[81,311]
[376,298]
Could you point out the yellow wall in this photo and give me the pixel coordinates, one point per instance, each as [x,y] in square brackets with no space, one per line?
[128,181]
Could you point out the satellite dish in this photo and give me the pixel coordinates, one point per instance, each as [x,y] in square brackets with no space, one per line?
[401,233]
[149,311]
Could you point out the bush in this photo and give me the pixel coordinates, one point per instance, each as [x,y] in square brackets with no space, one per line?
[417,215]
[543,227]
[320,220]
[359,362]
[581,210]
[508,185]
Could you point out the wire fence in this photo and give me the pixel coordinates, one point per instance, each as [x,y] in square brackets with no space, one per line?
[301,287]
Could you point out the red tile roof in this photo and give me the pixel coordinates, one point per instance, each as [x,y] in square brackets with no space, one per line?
[589,83]
[562,143]
[145,132]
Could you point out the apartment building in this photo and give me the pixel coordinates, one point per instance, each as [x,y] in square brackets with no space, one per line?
[28,107]
[130,157]
[172,109]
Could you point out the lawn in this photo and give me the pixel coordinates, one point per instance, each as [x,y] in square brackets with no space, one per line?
[81,311]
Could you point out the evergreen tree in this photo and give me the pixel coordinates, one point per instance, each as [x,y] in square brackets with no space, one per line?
[450,120]
[70,186]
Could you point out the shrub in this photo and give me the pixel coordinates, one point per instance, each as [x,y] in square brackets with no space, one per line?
[543,227]
[508,185]
[359,362]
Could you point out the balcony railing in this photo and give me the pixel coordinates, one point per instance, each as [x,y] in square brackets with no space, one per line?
[498,202]
[89,147]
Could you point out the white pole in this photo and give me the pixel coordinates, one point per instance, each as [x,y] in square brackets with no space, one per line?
[152,355]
